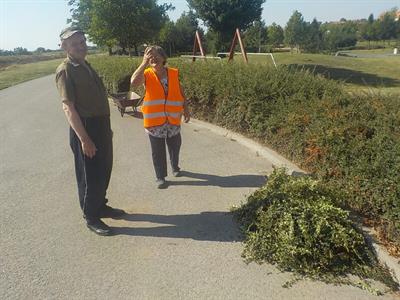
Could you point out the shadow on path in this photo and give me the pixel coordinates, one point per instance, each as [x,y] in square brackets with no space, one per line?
[222,181]
[135,114]
[206,226]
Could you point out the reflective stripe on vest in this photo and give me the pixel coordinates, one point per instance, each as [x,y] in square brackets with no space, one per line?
[162,114]
[153,102]
[157,107]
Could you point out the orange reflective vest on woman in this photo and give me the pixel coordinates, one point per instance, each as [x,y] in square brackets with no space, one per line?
[159,108]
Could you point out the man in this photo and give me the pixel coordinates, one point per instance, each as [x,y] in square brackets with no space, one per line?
[85,103]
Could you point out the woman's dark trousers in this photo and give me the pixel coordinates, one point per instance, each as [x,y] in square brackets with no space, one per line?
[93,174]
[159,154]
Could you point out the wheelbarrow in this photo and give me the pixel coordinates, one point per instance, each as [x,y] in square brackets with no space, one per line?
[126,99]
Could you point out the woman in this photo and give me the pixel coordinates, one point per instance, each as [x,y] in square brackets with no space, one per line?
[163,105]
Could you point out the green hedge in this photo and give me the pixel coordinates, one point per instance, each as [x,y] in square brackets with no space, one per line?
[350,142]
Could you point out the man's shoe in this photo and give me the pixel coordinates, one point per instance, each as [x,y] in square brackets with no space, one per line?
[110,212]
[99,227]
[161,183]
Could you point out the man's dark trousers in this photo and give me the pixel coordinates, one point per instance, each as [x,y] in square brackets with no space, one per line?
[93,174]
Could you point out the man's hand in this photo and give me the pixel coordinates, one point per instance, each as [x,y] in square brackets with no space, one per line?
[89,148]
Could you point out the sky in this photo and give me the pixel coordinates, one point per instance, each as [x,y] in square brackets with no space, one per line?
[37,23]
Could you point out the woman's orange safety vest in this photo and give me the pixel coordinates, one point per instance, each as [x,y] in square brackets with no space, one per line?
[158,108]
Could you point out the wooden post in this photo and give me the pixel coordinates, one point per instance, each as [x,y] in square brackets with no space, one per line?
[232,48]
[237,37]
[197,43]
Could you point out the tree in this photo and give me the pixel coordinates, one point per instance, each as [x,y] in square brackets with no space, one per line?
[186,27]
[40,50]
[81,12]
[125,22]
[224,16]
[6,52]
[85,16]
[397,19]
[337,36]
[168,37]
[21,51]
[179,36]
[255,36]
[387,26]
[295,30]
[313,38]
[367,31]
[275,35]
[210,42]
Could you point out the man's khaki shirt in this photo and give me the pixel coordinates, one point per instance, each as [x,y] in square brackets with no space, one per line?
[81,85]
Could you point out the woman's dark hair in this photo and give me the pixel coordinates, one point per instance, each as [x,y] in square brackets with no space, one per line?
[161,52]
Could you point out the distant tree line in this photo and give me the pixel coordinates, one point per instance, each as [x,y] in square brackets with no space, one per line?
[23,51]
[38,51]
[127,26]
[130,24]
[316,36]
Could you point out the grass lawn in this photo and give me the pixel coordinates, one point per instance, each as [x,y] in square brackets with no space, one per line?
[359,74]
[386,44]
[6,61]
[17,69]
[373,51]
[18,73]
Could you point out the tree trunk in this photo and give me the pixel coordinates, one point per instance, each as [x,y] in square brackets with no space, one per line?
[136,49]
[110,51]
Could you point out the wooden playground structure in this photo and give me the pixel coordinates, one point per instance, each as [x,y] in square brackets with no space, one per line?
[197,46]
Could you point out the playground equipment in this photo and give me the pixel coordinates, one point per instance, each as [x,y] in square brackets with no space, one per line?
[197,43]
[198,46]
[268,54]
[236,38]
[201,57]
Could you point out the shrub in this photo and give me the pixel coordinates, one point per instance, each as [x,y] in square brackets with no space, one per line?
[115,71]
[350,142]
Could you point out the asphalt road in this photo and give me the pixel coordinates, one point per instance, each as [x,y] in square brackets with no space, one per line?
[178,243]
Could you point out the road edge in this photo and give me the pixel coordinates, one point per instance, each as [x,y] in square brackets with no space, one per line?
[274,157]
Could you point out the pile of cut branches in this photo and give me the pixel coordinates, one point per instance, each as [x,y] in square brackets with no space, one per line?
[292,222]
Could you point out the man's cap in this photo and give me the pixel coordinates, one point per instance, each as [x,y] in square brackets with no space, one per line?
[69,31]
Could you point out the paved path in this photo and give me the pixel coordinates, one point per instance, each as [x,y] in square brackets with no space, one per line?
[178,243]
[366,55]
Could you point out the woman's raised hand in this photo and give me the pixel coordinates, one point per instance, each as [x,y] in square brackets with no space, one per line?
[147,56]
[137,77]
